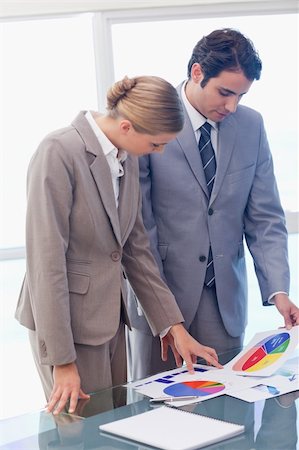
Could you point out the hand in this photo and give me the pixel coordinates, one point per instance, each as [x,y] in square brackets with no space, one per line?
[185,347]
[287,309]
[66,386]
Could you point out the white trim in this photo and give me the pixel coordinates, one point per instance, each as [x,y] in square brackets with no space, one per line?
[103,57]
[20,9]
[211,9]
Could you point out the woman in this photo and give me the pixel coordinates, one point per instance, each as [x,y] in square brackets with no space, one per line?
[84,236]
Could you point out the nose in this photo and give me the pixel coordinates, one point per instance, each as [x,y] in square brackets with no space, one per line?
[231,104]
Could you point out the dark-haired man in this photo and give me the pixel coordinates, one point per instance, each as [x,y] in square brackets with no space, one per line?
[198,208]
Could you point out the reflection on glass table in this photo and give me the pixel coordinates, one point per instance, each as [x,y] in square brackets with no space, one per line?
[269,425]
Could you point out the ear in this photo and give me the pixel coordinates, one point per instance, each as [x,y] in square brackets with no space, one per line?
[125,126]
[197,73]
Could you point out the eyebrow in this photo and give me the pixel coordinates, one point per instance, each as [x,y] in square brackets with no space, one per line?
[231,92]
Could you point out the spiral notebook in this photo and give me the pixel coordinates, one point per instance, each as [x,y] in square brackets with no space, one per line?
[170,428]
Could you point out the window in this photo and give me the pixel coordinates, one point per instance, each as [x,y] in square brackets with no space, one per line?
[163,48]
[48,75]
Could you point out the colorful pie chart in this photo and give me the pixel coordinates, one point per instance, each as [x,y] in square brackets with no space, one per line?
[263,354]
[199,388]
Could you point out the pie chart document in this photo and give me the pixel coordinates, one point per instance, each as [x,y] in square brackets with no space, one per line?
[266,352]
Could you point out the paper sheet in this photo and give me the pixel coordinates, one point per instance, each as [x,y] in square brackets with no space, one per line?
[205,384]
[265,353]
[285,380]
[247,376]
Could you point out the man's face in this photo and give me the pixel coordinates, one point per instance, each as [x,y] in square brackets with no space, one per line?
[221,94]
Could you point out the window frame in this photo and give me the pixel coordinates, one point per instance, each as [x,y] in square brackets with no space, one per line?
[103,21]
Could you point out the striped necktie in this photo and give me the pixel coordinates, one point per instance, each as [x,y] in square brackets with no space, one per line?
[209,166]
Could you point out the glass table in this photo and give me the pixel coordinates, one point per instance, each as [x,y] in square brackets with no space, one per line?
[269,424]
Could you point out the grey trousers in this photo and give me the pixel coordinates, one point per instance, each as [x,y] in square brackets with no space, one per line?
[144,354]
[99,366]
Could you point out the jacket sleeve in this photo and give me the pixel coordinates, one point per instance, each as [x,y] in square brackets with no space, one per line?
[147,209]
[158,303]
[265,228]
[49,202]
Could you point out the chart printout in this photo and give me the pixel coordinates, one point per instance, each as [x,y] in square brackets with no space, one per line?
[265,353]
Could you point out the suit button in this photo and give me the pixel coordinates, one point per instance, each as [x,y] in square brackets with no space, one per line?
[202,258]
[210,211]
[115,256]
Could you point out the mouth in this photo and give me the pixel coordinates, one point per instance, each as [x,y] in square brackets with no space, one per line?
[222,114]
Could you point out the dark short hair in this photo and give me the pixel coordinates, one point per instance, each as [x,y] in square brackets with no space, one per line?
[225,49]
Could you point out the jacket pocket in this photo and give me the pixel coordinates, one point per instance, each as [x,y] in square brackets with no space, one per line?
[78,282]
[241,175]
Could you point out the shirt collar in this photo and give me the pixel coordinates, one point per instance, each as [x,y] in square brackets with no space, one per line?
[197,119]
[105,143]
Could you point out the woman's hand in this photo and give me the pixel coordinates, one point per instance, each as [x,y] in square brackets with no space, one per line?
[185,347]
[66,387]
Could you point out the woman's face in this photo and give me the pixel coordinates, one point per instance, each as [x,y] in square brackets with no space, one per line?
[139,144]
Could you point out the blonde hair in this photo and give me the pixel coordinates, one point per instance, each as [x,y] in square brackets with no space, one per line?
[150,103]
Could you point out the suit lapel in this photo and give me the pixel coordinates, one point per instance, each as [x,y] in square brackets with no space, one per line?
[100,171]
[101,174]
[188,144]
[226,142]
[128,196]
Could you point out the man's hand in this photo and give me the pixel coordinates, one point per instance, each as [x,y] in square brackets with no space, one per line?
[287,309]
[66,386]
[185,347]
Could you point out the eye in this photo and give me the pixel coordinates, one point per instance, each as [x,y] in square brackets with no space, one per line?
[224,93]
[156,145]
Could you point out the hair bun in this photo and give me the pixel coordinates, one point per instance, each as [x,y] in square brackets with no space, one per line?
[119,90]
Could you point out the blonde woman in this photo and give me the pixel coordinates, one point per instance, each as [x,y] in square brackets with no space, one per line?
[85,236]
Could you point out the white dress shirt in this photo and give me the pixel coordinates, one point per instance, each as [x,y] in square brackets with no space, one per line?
[114,157]
[197,120]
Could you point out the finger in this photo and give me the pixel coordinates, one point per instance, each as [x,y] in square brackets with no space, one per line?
[82,402]
[287,322]
[189,365]
[83,395]
[62,402]
[164,350]
[178,359]
[212,352]
[212,361]
[73,401]
[54,398]
[176,354]
[295,319]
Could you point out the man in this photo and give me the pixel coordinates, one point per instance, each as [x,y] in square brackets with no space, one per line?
[212,188]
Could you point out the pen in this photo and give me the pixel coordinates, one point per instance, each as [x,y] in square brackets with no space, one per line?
[173,399]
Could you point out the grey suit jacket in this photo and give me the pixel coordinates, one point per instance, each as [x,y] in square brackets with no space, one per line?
[244,203]
[79,245]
